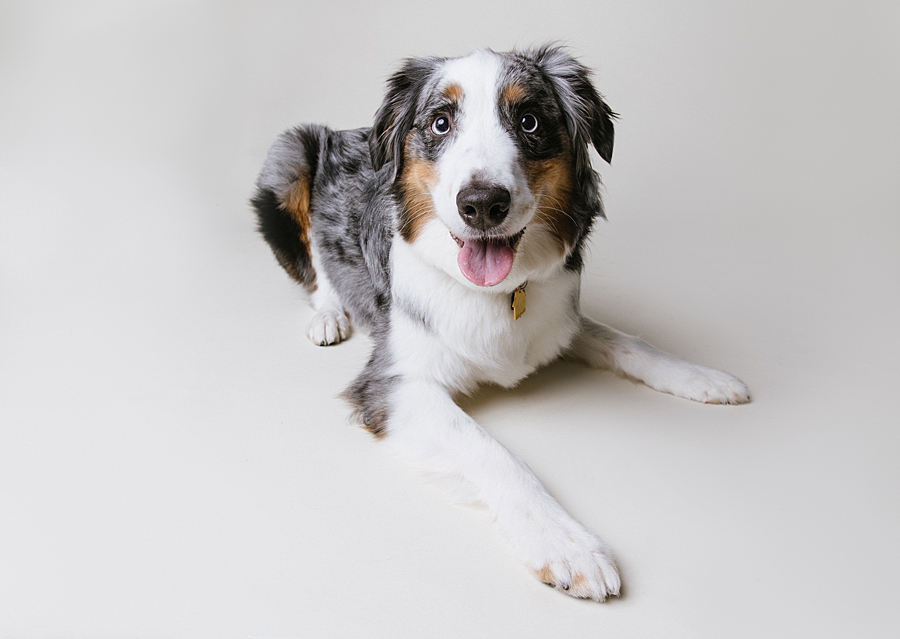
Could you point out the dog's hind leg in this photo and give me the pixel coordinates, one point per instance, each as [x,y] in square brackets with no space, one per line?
[606,348]
[283,208]
[282,201]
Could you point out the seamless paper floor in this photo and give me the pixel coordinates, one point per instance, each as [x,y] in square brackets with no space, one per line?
[174,457]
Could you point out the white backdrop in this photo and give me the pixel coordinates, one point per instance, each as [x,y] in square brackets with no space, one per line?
[175,462]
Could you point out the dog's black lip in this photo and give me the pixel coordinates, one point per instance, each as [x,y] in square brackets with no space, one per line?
[511,240]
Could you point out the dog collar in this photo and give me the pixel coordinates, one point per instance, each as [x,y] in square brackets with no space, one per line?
[517,301]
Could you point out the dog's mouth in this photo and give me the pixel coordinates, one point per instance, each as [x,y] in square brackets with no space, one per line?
[486,261]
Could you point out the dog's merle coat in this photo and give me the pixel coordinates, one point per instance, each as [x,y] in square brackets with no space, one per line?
[474,182]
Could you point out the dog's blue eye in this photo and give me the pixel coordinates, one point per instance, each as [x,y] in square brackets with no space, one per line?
[441,125]
[529,123]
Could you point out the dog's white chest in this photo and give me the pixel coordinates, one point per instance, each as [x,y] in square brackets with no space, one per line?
[461,337]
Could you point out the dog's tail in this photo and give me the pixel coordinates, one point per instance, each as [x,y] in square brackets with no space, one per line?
[282,200]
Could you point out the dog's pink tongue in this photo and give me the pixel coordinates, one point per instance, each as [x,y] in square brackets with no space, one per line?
[485,263]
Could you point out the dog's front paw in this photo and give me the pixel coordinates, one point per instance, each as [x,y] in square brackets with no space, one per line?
[579,565]
[711,386]
[329,326]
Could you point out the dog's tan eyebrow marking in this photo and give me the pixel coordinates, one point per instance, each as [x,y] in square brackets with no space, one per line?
[453,92]
[512,93]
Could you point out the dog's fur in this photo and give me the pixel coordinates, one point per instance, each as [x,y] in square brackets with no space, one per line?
[474,181]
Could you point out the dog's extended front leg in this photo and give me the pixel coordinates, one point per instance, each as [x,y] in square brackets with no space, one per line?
[427,426]
[603,347]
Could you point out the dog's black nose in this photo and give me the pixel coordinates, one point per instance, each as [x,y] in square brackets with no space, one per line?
[483,206]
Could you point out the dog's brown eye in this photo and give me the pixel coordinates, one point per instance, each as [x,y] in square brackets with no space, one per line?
[529,123]
[441,125]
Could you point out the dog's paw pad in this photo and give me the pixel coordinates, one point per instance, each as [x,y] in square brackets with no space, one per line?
[583,573]
[329,326]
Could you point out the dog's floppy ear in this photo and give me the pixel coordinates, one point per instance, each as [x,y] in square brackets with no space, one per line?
[396,115]
[588,118]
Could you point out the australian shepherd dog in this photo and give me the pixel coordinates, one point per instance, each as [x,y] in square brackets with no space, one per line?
[453,231]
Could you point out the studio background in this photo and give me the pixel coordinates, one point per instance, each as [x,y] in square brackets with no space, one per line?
[175,461]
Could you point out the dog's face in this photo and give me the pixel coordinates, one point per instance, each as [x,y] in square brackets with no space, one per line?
[490,161]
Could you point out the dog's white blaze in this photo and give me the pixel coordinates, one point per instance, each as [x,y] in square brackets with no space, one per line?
[482,148]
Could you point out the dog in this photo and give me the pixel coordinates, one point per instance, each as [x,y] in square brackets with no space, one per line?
[453,231]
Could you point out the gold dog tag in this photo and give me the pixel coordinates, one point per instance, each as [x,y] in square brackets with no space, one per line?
[518,302]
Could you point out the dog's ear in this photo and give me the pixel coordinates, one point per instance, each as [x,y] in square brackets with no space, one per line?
[588,118]
[396,115]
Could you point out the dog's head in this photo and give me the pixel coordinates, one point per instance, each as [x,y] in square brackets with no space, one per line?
[489,157]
